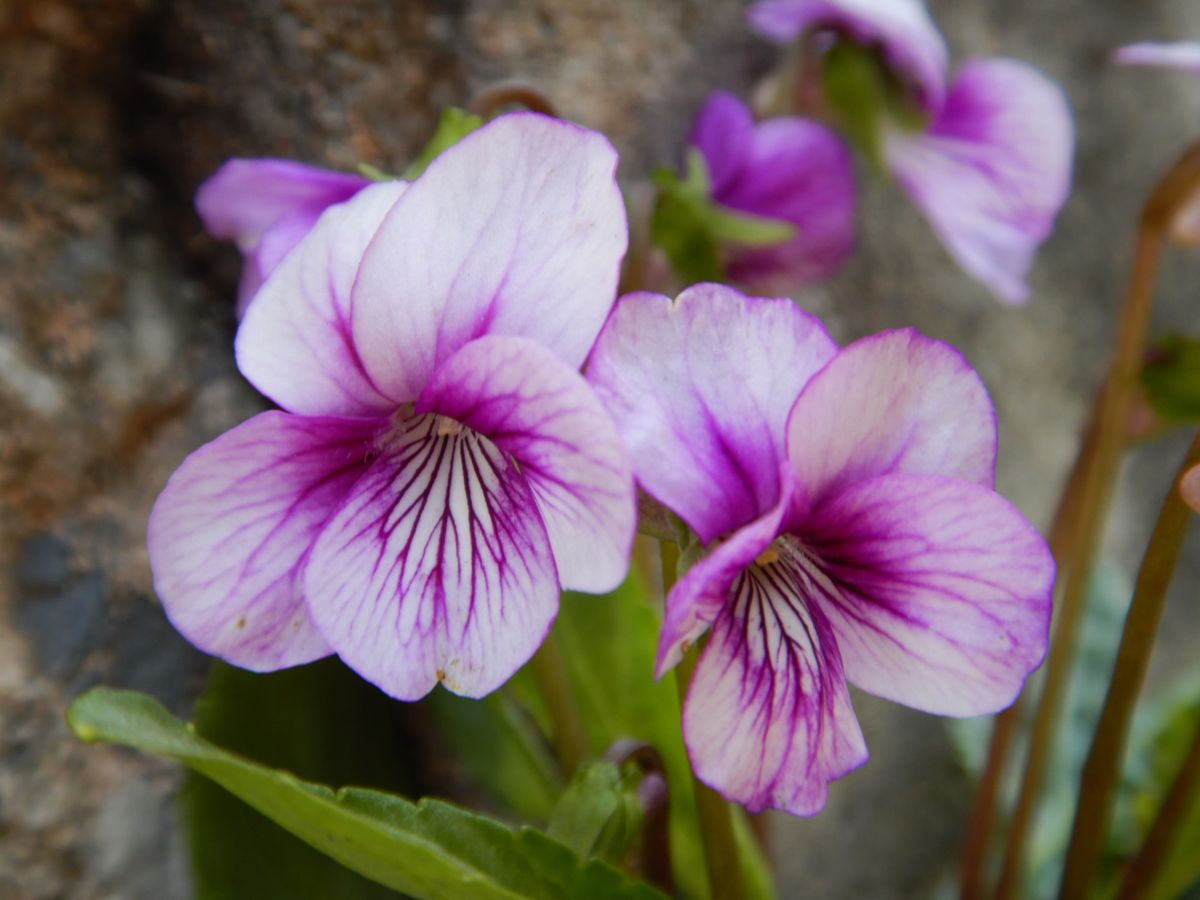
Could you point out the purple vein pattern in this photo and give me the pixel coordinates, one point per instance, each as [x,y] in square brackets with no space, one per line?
[439,469]
[990,167]
[860,540]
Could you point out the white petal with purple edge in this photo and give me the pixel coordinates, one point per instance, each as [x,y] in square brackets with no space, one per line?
[700,388]
[893,402]
[539,410]
[438,566]
[768,720]
[231,531]
[910,42]
[993,171]
[517,229]
[938,591]
[1183,55]
[295,344]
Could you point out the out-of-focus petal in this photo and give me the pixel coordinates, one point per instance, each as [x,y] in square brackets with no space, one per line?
[437,567]
[907,37]
[895,402]
[723,133]
[700,388]
[517,229]
[938,591]
[230,534]
[993,171]
[801,172]
[534,406]
[295,343]
[1181,55]
[768,720]
[699,596]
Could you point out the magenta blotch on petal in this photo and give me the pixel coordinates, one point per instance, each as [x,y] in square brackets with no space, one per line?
[993,170]
[517,229]
[705,428]
[1183,55]
[267,206]
[901,29]
[230,534]
[789,169]
[437,568]
[541,412]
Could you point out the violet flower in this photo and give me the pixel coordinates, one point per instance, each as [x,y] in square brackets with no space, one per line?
[852,533]
[266,206]
[439,467]
[991,166]
[789,169]
[1183,55]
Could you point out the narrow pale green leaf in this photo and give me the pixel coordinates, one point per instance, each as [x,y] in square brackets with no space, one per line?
[590,800]
[1171,377]
[745,229]
[429,849]
[679,229]
[366,170]
[455,125]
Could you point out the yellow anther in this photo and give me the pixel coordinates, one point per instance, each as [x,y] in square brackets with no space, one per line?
[768,556]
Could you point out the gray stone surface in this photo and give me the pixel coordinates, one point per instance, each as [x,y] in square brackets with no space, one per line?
[116,322]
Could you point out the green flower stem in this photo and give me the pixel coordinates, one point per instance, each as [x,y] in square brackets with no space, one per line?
[1102,769]
[1176,188]
[570,739]
[716,819]
[1160,842]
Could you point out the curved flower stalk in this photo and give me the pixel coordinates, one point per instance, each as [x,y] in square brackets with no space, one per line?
[986,157]
[267,206]
[439,468]
[851,532]
[787,169]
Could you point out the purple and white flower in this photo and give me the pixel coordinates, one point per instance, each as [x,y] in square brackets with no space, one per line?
[790,169]
[1183,55]
[267,206]
[845,500]
[439,467]
[991,165]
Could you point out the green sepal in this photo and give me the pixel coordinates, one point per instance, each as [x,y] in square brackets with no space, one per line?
[1171,377]
[454,125]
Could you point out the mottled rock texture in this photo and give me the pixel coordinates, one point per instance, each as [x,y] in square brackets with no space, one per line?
[116,324]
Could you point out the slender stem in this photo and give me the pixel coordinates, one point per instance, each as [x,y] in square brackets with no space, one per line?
[1174,812]
[569,737]
[1176,188]
[716,821]
[495,97]
[1100,772]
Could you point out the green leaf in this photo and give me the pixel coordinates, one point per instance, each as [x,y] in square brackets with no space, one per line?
[429,849]
[734,227]
[500,744]
[591,799]
[609,646]
[366,170]
[1171,377]
[455,125]
[320,721]
[678,227]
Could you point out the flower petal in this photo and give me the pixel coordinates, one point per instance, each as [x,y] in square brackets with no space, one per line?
[938,591]
[768,720]
[723,132]
[539,410]
[700,388]
[230,533]
[294,344]
[517,229]
[993,171]
[893,402]
[908,39]
[437,568]
[267,206]
[699,596]
[1183,55]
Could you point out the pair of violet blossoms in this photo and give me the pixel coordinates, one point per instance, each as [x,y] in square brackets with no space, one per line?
[439,470]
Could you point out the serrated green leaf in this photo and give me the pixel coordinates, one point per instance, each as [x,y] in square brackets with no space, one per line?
[454,125]
[1171,377]
[609,646]
[320,721]
[429,849]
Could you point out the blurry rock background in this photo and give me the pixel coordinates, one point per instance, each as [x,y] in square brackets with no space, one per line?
[116,320]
